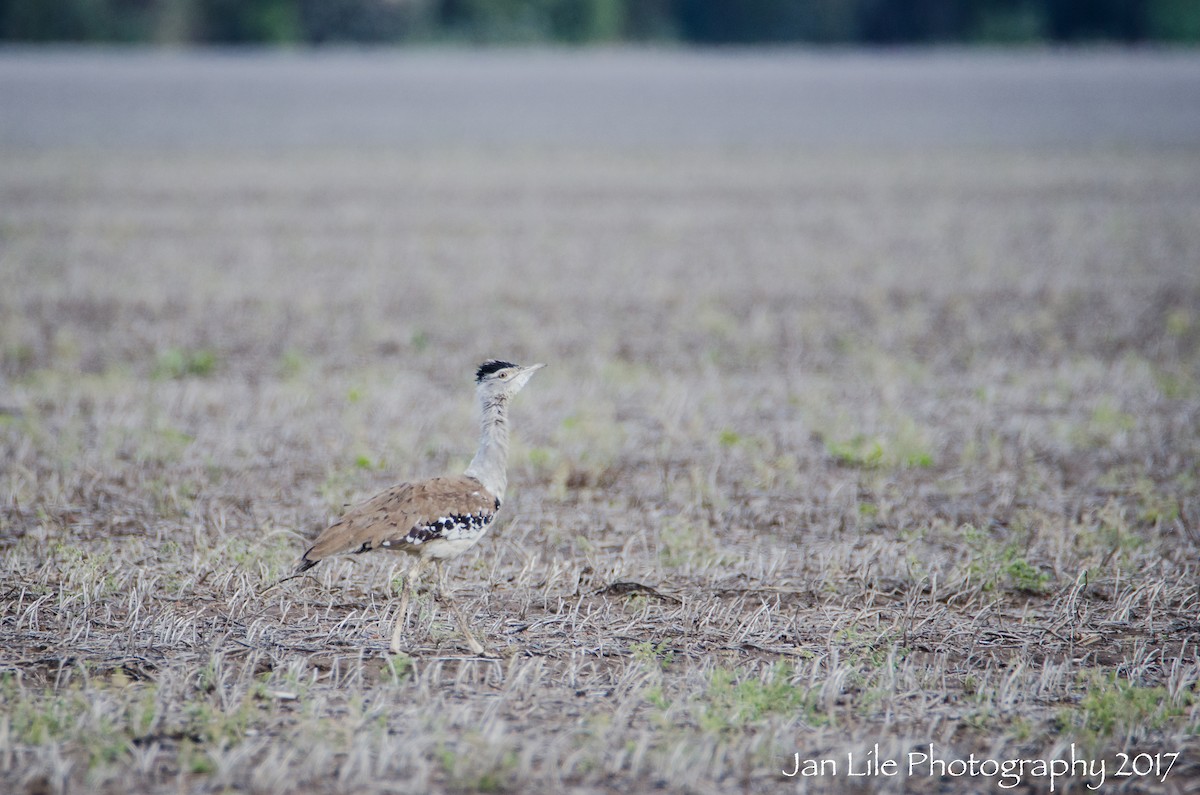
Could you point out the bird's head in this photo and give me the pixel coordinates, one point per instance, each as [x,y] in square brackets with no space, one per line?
[499,379]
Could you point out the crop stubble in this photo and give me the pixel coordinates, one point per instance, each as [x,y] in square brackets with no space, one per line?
[893,448]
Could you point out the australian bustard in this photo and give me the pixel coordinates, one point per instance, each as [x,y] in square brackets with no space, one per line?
[440,518]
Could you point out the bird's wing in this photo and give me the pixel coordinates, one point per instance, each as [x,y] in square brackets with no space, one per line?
[405,516]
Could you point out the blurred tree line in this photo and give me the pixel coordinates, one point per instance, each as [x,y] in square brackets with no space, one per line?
[592,21]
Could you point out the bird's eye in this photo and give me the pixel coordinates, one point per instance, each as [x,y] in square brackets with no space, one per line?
[503,375]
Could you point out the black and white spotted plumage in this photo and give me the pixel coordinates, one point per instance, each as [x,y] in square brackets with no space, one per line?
[453,527]
[437,518]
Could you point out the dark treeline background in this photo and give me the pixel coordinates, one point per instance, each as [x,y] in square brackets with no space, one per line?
[598,21]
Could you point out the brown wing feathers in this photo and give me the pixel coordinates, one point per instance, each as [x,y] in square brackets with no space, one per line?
[405,516]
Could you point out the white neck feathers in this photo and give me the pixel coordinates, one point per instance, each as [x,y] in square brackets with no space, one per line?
[491,460]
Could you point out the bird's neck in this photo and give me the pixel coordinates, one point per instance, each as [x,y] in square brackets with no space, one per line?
[491,460]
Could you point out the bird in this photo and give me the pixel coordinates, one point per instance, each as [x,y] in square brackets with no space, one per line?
[437,519]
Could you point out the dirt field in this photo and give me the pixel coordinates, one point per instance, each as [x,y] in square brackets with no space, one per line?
[842,457]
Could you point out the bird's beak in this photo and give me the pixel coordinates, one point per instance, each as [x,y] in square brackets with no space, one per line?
[523,375]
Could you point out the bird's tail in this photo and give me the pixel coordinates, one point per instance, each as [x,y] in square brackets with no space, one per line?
[306,563]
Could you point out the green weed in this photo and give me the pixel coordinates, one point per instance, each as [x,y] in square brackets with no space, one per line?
[1103,426]
[219,725]
[400,666]
[1108,533]
[195,759]
[728,703]
[37,719]
[480,767]
[291,364]
[1020,574]
[182,362]
[687,544]
[992,563]
[367,462]
[1111,705]
[650,653]
[858,451]
[657,697]
[729,438]
[906,448]
[1179,322]
[1154,506]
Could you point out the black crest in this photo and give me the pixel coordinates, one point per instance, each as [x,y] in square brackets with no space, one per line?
[489,367]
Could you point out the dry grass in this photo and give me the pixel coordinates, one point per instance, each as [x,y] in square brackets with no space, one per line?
[899,449]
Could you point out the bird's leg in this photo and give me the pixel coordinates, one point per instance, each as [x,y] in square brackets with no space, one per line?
[475,646]
[410,578]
